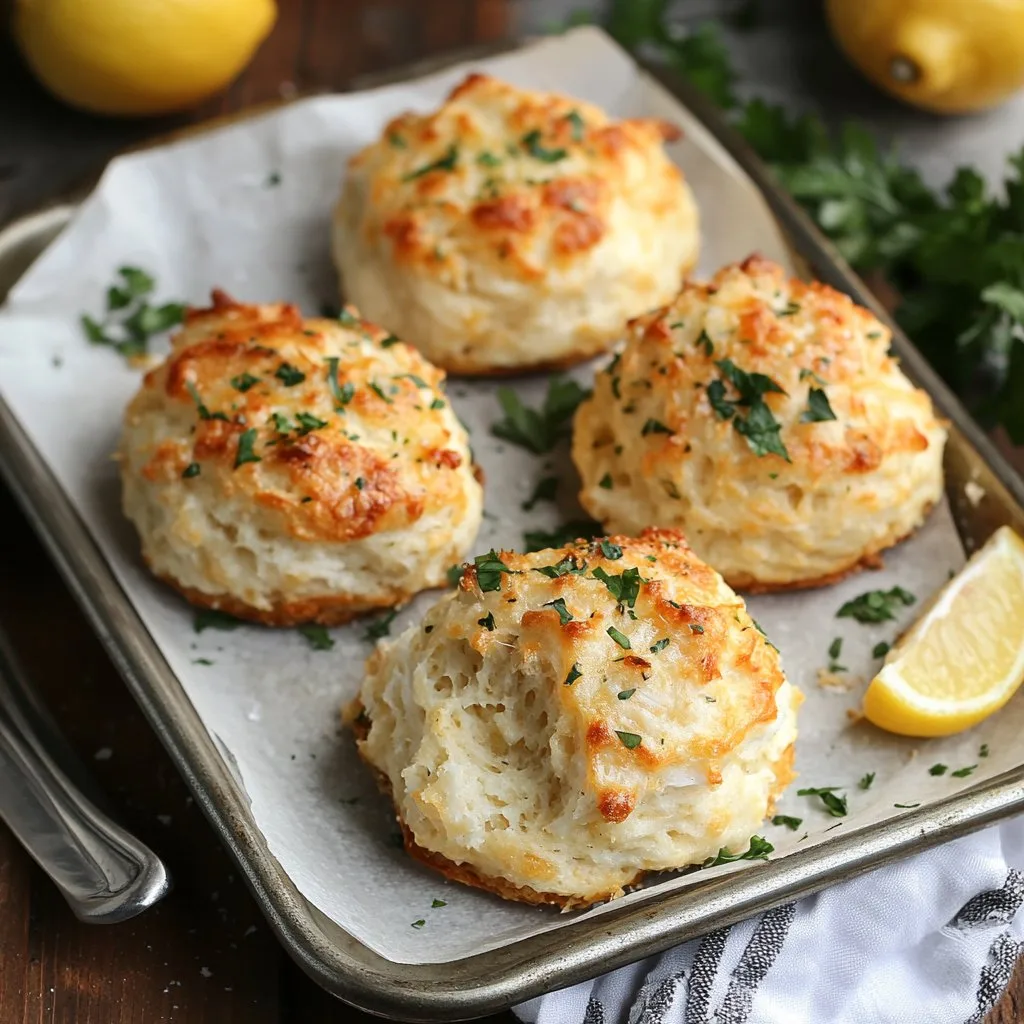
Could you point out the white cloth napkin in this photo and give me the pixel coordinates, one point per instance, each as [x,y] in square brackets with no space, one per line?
[930,940]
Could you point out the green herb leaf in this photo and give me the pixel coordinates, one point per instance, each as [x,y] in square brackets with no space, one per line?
[610,551]
[282,424]
[835,805]
[568,566]
[245,451]
[787,821]
[211,618]
[342,393]
[620,638]
[191,470]
[380,627]
[532,145]
[488,159]
[906,805]
[487,622]
[938,769]
[443,163]
[866,780]
[835,648]
[758,850]
[564,615]
[659,645]
[380,393]
[983,750]
[434,904]
[962,773]
[578,125]
[539,430]
[880,650]
[454,574]
[308,422]
[489,568]
[625,587]
[818,409]
[317,635]
[653,426]
[289,375]
[875,605]
[606,482]
[626,694]
[574,674]
[418,924]
[437,403]
[244,381]
[630,740]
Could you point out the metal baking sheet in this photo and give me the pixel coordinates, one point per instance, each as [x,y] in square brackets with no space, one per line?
[574,948]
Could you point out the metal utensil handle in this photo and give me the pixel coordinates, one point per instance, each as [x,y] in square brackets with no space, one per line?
[104,872]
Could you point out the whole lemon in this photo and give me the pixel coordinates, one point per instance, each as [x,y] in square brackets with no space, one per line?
[135,57]
[950,56]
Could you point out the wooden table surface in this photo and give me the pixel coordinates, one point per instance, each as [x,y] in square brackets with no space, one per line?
[204,954]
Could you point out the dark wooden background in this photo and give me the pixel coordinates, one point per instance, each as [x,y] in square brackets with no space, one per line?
[204,954]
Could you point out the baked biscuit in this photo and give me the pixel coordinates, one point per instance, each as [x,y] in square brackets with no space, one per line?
[568,720]
[288,470]
[512,229]
[766,419]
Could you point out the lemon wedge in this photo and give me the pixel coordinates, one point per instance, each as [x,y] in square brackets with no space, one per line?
[964,658]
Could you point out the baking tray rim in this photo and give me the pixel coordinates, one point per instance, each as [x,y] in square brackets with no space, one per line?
[493,980]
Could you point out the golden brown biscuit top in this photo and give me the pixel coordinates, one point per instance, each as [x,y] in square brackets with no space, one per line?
[337,426]
[657,662]
[780,368]
[520,180]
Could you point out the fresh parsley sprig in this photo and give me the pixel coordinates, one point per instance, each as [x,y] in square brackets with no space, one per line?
[539,430]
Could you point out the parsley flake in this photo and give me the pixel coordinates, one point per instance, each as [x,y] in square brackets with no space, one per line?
[983,750]
[630,740]
[758,426]
[487,622]
[818,409]
[880,650]
[444,163]
[380,627]
[962,773]
[130,321]
[568,566]
[620,638]
[606,482]
[437,403]
[785,819]
[289,375]
[245,451]
[577,123]
[610,551]
[625,587]
[938,769]
[317,635]
[201,409]
[244,381]
[308,422]
[564,615]
[574,674]
[342,393]
[434,904]
[758,850]
[531,143]
[488,159]
[835,805]
[626,694]
[418,924]
[875,605]
[489,568]
[213,618]
[191,470]
[379,392]
[653,426]
[660,645]
[539,430]
[866,780]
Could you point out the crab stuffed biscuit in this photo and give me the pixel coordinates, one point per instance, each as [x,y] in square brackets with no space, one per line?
[567,721]
[513,230]
[766,419]
[287,470]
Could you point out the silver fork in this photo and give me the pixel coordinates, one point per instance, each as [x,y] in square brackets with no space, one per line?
[103,872]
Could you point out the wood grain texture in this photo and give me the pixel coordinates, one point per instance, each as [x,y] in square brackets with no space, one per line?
[203,956]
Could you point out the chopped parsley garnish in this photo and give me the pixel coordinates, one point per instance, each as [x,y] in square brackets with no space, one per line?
[791,308]
[444,163]
[704,340]
[397,141]
[211,618]
[606,482]
[391,339]
[653,426]
[610,551]
[866,780]
[875,605]
[758,850]
[539,430]
[531,143]
[620,638]
[342,392]
[318,637]
[546,490]
[360,483]
[578,125]
[130,321]
[906,806]
[418,924]
[488,159]
[568,566]
[434,904]
[281,423]
[437,403]
[962,773]
[201,409]
[487,622]
[624,587]
[785,819]
[289,375]
[630,740]
[938,769]
[758,426]
[564,615]
[983,750]
[489,568]
[201,661]
[806,374]
[880,650]
[818,410]
[348,319]
[835,805]
[626,694]
[660,645]
[574,674]
[379,392]
[191,470]
[834,650]
[417,380]
[245,451]
[454,574]
[380,627]
[308,422]
[538,540]
[244,381]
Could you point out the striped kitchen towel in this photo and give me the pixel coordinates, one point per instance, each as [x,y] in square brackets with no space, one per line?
[930,940]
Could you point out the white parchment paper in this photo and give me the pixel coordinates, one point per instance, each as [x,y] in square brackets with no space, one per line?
[204,212]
